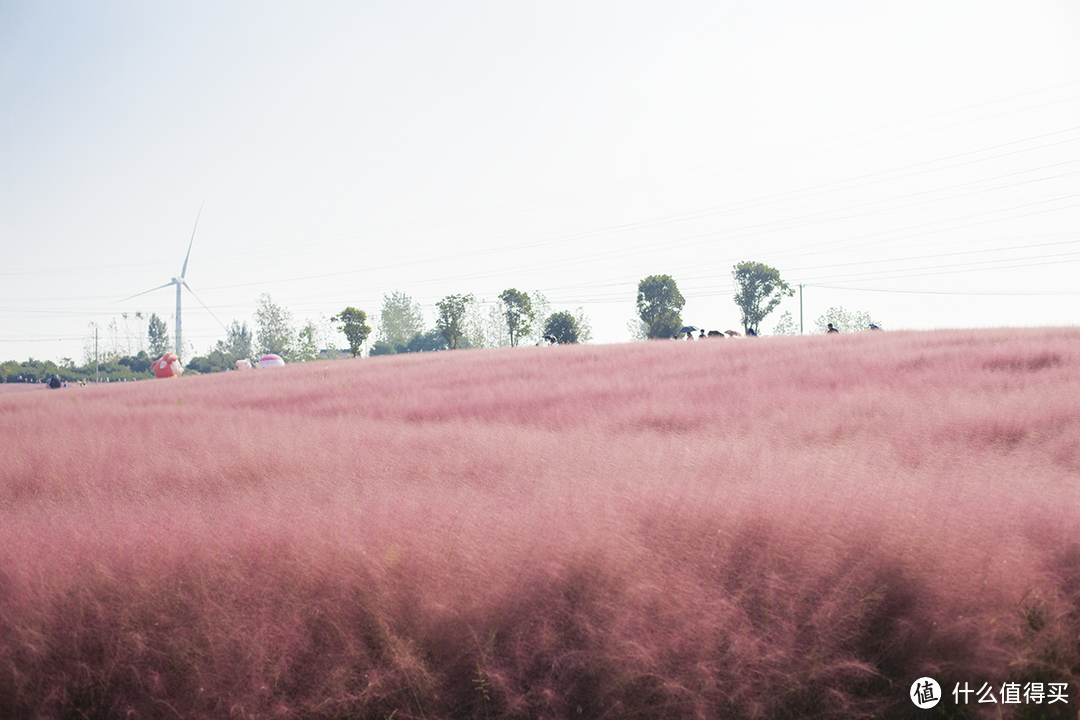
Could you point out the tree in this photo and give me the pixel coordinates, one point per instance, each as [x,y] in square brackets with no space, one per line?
[115,341]
[237,343]
[140,363]
[91,353]
[306,348]
[473,333]
[518,313]
[214,361]
[563,326]
[381,347]
[541,309]
[844,320]
[158,334]
[451,320]
[275,334]
[132,337]
[486,325]
[225,353]
[495,334]
[659,303]
[401,318]
[758,290]
[786,325]
[584,327]
[354,325]
[429,341]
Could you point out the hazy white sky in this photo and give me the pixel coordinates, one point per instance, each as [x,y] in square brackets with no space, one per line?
[916,160]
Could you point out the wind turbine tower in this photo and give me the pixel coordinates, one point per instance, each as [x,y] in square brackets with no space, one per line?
[180,283]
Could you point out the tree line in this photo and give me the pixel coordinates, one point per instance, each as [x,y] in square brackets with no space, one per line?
[461,322]
[126,349]
[759,289]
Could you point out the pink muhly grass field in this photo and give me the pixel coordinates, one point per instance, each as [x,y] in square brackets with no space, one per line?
[760,528]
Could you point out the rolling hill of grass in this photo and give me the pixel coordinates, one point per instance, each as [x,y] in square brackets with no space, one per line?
[754,528]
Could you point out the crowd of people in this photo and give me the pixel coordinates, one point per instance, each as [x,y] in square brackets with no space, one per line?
[688,331]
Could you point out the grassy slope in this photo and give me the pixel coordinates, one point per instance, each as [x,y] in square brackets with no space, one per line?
[781,527]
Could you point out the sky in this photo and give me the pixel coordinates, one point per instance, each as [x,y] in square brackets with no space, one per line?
[918,161]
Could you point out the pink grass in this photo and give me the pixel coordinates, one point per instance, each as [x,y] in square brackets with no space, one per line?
[769,528]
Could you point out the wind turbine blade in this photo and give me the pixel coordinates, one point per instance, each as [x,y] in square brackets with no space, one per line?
[146,292]
[183,271]
[206,306]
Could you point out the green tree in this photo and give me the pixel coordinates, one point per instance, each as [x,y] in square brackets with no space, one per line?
[451,320]
[518,313]
[659,303]
[225,353]
[214,361]
[237,344]
[758,290]
[32,371]
[563,326]
[275,332]
[140,363]
[354,325]
[430,341]
[401,318]
[157,333]
[381,347]
[846,321]
[306,348]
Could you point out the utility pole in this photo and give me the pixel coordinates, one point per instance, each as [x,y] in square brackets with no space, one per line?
[800,309]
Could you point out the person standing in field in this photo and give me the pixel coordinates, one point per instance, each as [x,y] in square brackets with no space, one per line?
[831,329]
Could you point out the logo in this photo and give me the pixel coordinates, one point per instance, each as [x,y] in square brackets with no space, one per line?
[925,693]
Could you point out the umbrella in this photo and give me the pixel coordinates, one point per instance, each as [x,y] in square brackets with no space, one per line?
[271,360]
[688,328]
[168,365]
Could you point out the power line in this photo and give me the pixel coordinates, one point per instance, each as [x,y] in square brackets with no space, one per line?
[949,292]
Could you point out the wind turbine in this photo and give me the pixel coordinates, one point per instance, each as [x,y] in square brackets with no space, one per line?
[180,282]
